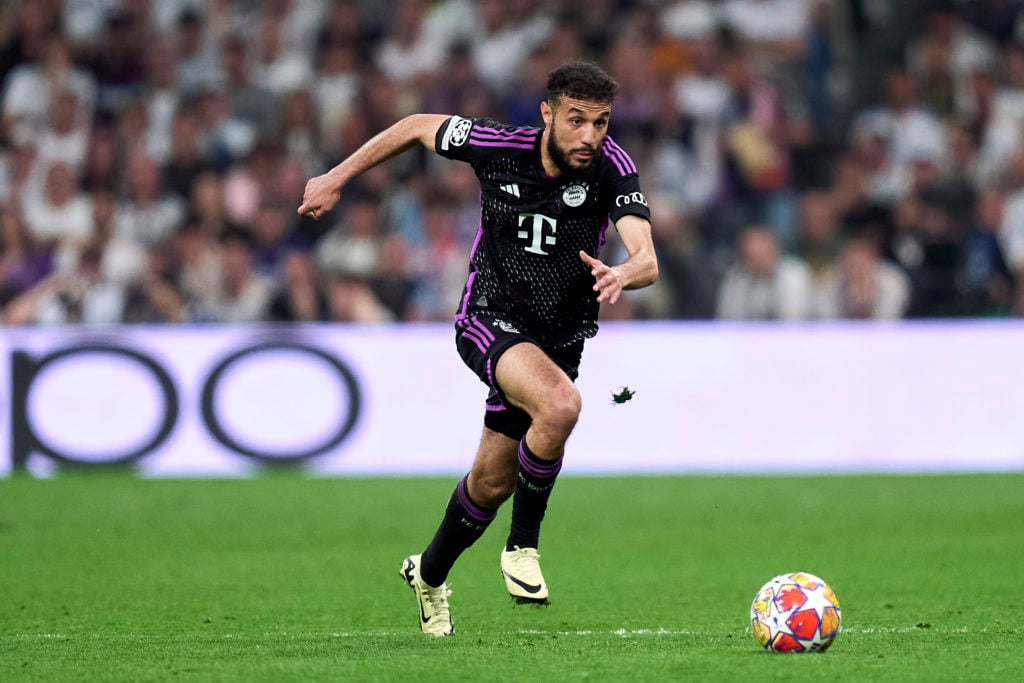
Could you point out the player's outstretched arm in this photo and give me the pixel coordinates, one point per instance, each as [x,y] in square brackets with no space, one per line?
[639,270]
[323,191]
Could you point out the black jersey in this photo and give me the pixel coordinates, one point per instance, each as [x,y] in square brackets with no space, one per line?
[525,266]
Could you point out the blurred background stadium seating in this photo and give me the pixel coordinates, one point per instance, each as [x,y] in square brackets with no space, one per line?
[804,159]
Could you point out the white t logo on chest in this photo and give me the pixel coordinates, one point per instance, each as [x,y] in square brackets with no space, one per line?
[541,231]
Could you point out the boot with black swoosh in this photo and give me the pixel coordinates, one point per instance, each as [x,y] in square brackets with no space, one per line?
[521,569]
[435,619]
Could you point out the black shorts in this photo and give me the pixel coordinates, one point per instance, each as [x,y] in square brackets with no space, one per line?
[481,339]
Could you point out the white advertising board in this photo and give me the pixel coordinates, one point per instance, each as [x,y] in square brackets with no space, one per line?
[396,399]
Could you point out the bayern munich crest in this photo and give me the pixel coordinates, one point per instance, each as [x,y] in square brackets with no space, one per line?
[574,195]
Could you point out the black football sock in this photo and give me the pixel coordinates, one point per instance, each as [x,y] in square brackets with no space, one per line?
[534,481]
[464,522]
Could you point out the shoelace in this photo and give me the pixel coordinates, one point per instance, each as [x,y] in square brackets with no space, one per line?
[438,599]
[525,560]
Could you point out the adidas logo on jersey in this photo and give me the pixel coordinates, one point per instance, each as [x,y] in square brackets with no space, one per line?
[512,189]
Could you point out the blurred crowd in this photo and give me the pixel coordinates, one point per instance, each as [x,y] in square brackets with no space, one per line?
[803,159]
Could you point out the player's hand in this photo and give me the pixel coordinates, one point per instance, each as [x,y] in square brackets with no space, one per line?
[608,279]
[320,196]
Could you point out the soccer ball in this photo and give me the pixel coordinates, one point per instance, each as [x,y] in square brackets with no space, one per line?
[795,612]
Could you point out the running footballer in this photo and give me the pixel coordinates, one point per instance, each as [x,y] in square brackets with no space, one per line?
[530,301]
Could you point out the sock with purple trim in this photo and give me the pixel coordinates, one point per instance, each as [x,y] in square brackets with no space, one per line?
[463,523]
[534,481]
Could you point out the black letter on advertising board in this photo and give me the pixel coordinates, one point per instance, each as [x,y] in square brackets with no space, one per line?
[216,429]
[25,440]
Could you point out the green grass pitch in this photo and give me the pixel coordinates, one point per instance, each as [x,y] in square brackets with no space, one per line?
[287,578]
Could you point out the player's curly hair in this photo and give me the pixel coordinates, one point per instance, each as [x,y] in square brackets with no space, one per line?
[582,81]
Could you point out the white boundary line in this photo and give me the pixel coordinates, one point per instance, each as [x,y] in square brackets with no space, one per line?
[621,632]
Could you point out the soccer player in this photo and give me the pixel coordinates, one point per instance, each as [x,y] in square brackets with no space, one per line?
[531,300]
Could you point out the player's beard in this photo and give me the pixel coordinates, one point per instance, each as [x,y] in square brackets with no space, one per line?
[561,160]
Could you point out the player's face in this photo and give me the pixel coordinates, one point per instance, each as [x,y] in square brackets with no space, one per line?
[575,130]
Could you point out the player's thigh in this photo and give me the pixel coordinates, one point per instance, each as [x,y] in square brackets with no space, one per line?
[532,381]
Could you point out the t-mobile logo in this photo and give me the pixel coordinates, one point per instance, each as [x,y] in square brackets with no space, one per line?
[536,232]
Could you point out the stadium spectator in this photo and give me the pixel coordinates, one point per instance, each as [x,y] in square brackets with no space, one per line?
[892,135]
[764,284]
[336,88]
[24,260]
[300,296]
[504,35]
[65,137]
[271,238]
[161,99]
[155,296]
[187,159]
[250,180]
[410,51]
[103,169]
[690,19]
[196,50]
[987,278]
[689,274]
[80,296]
[757,136]
[953,51]
[819,234]
[30,87]
[352,247]
[198,257]
[394,283]
[148,214]
[118,57]
[936,290]
[463,89]
[300,129]
[1011,229]
[351,299]
[60,215]
[277,67]
[442,262]
[241,293]
[862,286]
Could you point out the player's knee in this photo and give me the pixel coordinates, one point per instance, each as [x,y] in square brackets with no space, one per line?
[490,491]
[562,410]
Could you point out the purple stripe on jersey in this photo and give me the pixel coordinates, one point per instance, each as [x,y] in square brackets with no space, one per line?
[495,408]
[621,154]
[465,300]
[495,138]
[601,237]
[618,164]
[506,135]
[508,131]
[477,143]
[488,335]
[461,315]
[533,465]
[472,509]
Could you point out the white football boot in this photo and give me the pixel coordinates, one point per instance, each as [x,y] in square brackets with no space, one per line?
[435,619]
[521,569]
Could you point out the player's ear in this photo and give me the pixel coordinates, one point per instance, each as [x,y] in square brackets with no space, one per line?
[546,113]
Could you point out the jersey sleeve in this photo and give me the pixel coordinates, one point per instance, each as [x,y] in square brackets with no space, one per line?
[620,174]
[452,139]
